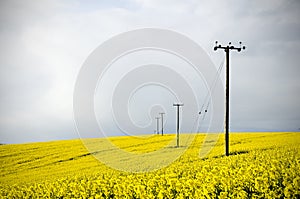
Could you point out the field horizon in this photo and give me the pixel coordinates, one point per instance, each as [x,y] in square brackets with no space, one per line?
[139,135]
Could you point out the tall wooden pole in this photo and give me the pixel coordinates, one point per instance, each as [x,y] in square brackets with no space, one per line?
[157,125]
[227,103]
[162,123]
[227,49]
[177,105]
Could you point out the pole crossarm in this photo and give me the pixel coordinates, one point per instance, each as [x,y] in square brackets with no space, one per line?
[229,47]
[227,50]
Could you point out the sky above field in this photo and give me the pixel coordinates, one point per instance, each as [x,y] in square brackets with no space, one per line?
[45,43]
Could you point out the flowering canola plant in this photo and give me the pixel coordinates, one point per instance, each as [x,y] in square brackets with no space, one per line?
[260,165]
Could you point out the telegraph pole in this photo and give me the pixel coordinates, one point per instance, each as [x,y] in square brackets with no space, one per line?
[162,123]
[157,125]
[227,50]
[178,105]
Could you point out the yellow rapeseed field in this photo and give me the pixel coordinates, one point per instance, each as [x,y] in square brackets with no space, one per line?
[261,165]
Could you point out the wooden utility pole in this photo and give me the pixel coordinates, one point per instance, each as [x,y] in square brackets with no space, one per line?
[162,123]
[157,125]
[227,49]
[178,105]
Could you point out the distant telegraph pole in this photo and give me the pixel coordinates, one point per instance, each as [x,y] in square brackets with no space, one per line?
[227,49]
[178,105]
[162,123]
[157,125]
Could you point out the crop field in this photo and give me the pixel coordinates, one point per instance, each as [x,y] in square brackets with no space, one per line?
[260,165]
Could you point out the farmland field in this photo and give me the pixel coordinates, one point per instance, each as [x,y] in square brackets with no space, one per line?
[261,165]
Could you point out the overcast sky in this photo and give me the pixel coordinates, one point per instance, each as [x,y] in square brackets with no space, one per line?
[44,44]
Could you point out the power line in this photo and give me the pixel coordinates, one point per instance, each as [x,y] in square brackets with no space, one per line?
[210,91]
[206,100]
[227,50]
[194,125]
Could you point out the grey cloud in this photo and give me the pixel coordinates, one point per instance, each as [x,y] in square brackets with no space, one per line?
[44,43]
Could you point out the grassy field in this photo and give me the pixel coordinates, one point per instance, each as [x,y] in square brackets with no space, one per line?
[261,165]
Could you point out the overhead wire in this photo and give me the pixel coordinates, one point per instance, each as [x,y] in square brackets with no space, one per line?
[211,89]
